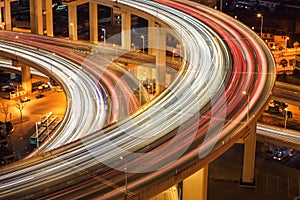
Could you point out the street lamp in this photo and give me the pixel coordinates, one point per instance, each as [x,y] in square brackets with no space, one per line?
[143,38]
[104,34]
[286,117]
[261,23]
[140,92]
[16,38]
[246,93]
[125,170]
[37,133]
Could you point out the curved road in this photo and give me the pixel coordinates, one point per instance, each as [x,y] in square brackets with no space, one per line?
[197,114]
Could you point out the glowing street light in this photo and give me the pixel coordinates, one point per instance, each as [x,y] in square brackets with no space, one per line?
[261,23]
[143,38]
[37,124]
[125,170]
[104,34]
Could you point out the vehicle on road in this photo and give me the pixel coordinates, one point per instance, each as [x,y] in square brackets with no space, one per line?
[282,153]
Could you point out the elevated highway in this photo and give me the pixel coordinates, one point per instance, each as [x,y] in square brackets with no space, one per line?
[278,136]
[286,93]
[199,116]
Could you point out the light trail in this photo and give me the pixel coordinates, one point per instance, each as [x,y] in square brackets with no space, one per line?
[203,107]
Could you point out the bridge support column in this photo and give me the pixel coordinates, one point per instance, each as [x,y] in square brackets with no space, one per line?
[93,22]
[26,79]
[49,18]
[36,17]
[72,17]
[7,15]
[1,14]
[160,61]
[249,157]
[126,30]
[169,194]
[151,38]
[195,186]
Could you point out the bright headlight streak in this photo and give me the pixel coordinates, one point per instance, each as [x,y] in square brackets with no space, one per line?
[64,71]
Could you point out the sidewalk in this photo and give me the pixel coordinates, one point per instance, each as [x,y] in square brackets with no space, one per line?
[34,109]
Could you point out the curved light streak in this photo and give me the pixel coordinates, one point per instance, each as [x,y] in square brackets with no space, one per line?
[85,157]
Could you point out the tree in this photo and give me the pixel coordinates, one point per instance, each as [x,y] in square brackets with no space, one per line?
[20,105]
[4,109]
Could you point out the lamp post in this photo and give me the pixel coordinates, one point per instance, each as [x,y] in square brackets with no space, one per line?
[16,38]
[140,92]
[125,170]
[261,23]
[246,93]
[133,46]
[143,38]
[286,117]
[37,133]
[104,34]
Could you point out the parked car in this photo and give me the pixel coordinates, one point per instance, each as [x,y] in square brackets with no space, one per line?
[39,96]
[26,99]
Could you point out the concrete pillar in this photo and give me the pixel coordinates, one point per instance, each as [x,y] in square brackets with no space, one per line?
[49,17]
[112,17]
[26,79]
[72,17]
[7,15]
[1,14]
[36,17]
[32,16]
[195,186]
[169,194]
[93,22]
[126,30]
[249,157]
[151,38]
[160,61]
